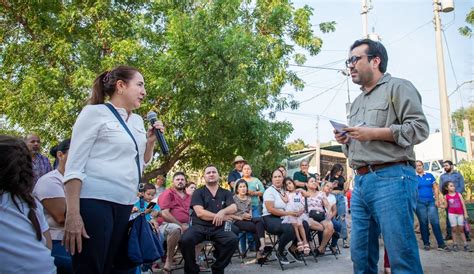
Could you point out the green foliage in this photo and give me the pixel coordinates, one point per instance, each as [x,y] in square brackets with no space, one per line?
[463,113]
[212,68]
[466,30]
[467,171]
[296,145]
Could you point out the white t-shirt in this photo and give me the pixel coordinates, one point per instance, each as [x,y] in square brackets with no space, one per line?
[51,186]
[20,251]
[271,194]
[331,199]
[102,154]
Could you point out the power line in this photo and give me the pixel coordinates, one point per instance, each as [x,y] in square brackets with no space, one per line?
[435,108]
[459,86]
[332,100]
[324,91]
[318,67]
[307,115]
[409,33]
[450,60]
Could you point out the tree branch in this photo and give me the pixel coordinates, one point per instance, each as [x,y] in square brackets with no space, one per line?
[175,156]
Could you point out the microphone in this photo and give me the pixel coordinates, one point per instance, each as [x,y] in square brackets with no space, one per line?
[152,117]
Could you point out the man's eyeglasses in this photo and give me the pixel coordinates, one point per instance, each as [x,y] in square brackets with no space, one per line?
[354,59]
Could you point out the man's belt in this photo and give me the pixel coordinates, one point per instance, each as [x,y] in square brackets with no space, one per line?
[368,168]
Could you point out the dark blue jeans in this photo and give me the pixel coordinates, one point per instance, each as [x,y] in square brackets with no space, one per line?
[427,213]
[62,259]
[341,212]
[383,201]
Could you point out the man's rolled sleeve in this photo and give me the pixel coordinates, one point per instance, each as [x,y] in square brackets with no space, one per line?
[414,127]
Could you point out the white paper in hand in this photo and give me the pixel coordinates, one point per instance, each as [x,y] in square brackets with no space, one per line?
[338,126]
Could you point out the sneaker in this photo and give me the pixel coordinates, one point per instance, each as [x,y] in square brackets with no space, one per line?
[455,248]
[282,258]
[444,248]
[427,247]
[448,237]
[467,249]
[296,256]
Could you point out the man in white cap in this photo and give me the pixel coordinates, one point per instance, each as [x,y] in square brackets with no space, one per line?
[236,174]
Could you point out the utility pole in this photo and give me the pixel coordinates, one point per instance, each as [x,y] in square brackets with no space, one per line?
[443,94]
[318,148]
[467,138]
[364,11]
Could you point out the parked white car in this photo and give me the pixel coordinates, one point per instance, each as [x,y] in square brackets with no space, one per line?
[434,167]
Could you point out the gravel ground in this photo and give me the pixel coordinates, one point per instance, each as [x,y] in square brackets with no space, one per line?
[433,261]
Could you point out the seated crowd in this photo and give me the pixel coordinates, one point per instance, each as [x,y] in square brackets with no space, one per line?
[184,217]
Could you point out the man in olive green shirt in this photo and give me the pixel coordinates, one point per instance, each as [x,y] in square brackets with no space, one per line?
[385,122]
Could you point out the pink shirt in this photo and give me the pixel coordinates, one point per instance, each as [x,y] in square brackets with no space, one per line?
[51,186]
[454,204]
[179,207]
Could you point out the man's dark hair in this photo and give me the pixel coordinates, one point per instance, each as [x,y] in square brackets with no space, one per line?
[448,162]
[179,173]
[376,49]
[148,186]
[211,165]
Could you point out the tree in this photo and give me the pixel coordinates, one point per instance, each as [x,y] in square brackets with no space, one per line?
[297,144]
[463,113]
[212,69]
[466,30]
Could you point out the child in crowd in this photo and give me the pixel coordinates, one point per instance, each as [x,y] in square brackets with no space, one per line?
[296,203]
[146,196]
[456,213]
[148,193]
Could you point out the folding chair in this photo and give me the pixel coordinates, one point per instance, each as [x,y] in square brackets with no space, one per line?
[314,234]
[274,240]
[242,254]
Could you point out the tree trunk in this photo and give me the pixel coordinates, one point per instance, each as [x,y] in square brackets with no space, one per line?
[175,156]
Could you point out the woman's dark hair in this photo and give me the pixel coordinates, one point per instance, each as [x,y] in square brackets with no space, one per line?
[63,147]
[375,49]
[106,83]
[335,169]
[286,180]
[16,176]
[277,170]
[239,182]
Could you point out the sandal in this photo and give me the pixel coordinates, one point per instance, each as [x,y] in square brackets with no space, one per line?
[306,249]
[300,246]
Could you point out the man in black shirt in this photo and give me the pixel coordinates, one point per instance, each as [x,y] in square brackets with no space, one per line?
[212,207]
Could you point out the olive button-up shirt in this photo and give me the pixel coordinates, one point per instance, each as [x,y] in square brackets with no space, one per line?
[393,103]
